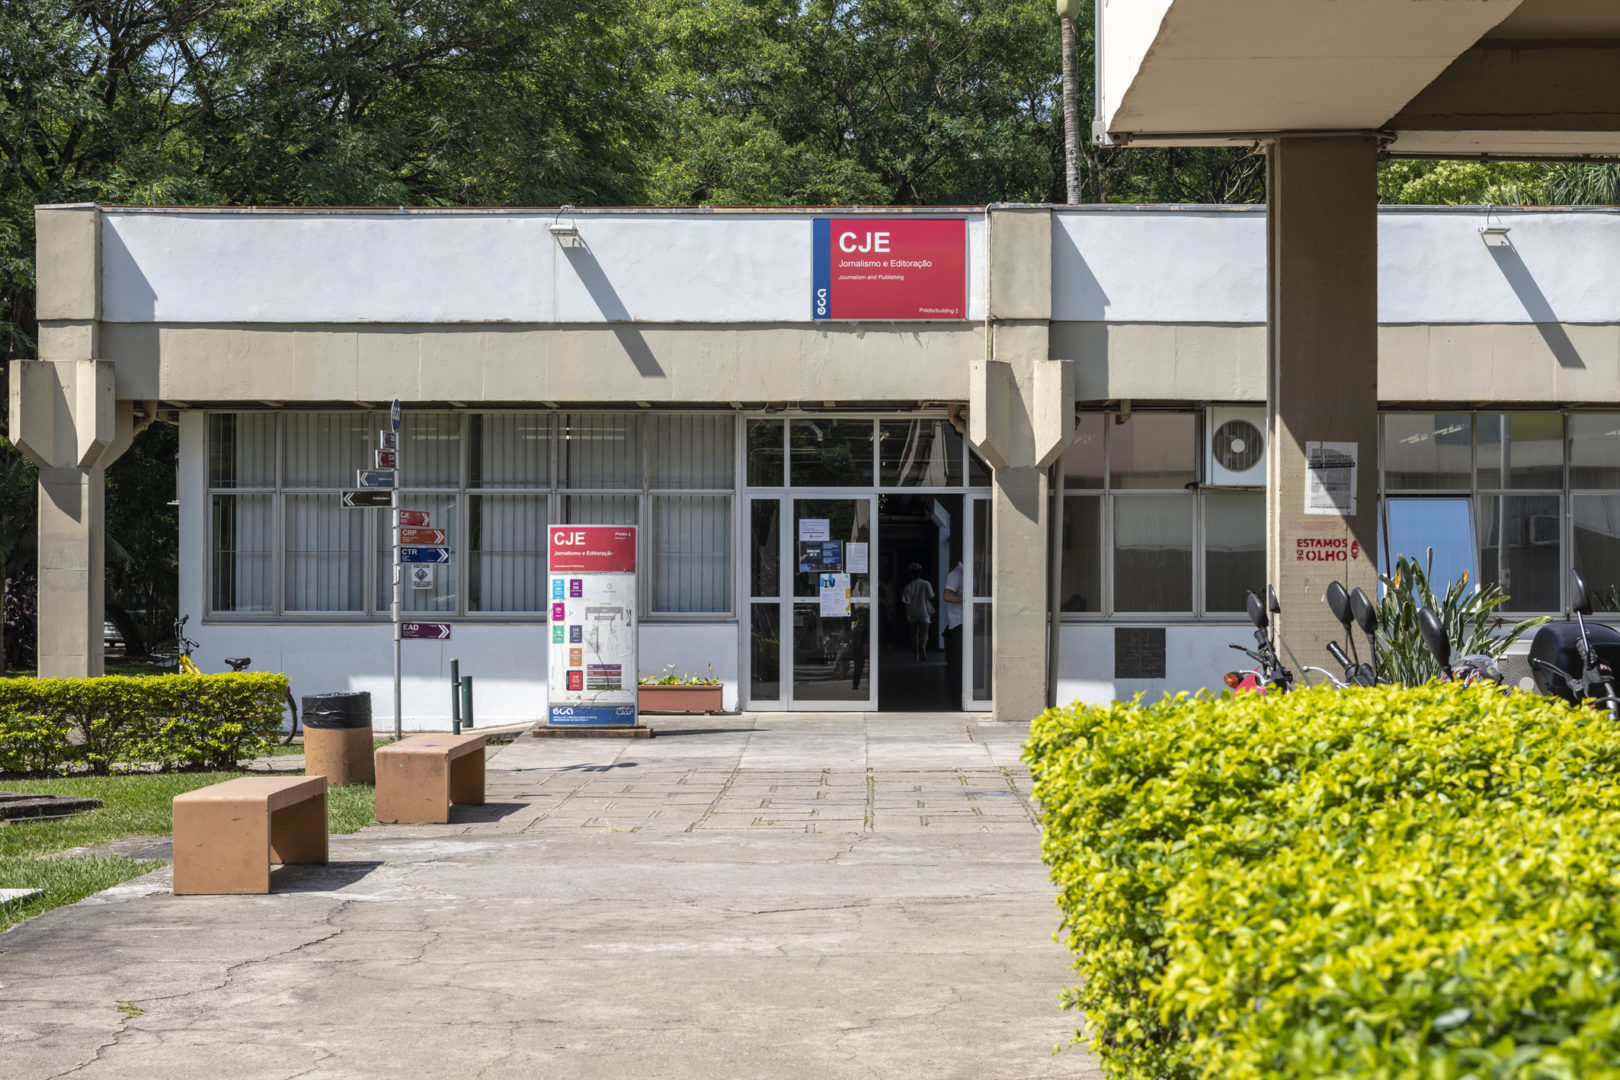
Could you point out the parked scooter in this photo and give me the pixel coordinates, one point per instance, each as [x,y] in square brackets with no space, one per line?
[1345,610]
[1468,670]
[1574,661]
[1269,674]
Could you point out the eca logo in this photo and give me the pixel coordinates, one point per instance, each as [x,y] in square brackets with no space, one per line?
[872,241]
[821,301]
[566,538]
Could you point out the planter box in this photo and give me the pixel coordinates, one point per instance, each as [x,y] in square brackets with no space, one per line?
[667,699]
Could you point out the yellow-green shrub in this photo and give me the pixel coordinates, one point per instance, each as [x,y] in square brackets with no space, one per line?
[169,720]
[1377,883]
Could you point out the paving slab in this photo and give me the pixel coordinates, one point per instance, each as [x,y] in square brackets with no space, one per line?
[762,896]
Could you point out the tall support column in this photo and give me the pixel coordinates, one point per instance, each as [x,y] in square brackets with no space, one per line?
[1020,416]
[1322,375]
[66,418]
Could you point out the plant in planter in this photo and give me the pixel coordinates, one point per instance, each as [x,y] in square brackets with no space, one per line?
[669,692]
[1465,611]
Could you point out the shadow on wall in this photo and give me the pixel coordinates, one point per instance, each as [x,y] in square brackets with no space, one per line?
[607,301]
[1536,305]
[132,298]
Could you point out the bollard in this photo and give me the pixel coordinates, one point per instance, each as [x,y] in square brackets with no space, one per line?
[466,700]
[455,696]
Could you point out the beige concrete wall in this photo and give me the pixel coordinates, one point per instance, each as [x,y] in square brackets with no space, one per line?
[688,364]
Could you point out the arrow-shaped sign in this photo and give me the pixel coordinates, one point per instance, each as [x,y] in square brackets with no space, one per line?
[387,459]
[422,536]
[424,554]
[372,497]
[374,478]
[414,518]
[433,631]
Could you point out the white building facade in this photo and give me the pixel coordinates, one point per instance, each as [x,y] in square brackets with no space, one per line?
[1083,437]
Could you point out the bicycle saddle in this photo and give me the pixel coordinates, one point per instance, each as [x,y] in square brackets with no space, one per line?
[237,663]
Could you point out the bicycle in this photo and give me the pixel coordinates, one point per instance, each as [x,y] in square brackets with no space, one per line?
[187,666]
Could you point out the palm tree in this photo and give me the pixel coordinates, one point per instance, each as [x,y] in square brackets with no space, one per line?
[1582,184]
[1068,10]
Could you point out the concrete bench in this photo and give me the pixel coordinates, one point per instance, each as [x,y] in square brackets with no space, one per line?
[420,776]
[227,835]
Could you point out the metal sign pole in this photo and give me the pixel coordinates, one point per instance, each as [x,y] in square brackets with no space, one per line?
[398,600]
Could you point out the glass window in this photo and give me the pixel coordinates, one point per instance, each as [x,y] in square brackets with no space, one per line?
[435,594]
[1520,450]
[1083,460]
[978,471]
[765,540]
[506,558]
[1082,554]
[765,453]
[242,552]
[430,450]
[600,450]
[325,450]
[1597,548]
[1416,525]
[241,450]
[765,652]
[1153,551]
[1520,549]
[1153,450]
[601,510]
[325,555]
[919,453]
[508,450]
[690,553]
[831,453]
[1427,451]
[1234,550]
[686,452]
[1594,450]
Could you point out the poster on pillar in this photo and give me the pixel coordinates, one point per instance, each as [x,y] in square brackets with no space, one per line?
[591,669]
[1330,478]
[889,268]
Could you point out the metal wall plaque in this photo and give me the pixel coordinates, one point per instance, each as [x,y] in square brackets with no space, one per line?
[1139,652]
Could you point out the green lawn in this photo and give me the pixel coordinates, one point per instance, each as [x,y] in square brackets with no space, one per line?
[132,805]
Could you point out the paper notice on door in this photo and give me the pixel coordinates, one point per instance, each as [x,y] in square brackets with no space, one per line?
[815,529]
[1330,478]
[855,556]
[834,596]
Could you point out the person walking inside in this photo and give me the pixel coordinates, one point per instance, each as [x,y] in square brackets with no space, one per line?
[918,600]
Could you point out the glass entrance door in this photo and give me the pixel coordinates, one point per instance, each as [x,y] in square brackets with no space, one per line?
[976,608]
[829,561]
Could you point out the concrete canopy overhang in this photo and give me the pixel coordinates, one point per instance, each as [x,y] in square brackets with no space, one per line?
[1436,77]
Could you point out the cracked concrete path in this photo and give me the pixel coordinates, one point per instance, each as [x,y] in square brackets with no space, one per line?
[760,896]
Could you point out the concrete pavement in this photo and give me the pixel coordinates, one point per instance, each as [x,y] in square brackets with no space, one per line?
[759,896]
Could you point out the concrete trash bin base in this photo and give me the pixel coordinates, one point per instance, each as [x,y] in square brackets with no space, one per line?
[337,738]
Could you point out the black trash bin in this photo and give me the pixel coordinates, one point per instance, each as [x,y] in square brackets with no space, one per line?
[338,738]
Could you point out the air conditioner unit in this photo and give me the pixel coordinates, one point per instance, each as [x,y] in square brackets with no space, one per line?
[1235,446]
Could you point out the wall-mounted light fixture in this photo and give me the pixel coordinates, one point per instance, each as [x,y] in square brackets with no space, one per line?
[1494,235]
[566,234]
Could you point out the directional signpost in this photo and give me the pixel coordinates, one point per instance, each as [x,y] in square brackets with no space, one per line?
[417,544]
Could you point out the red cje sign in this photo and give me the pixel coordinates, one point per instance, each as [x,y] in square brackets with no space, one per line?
[889,268]
[592,548]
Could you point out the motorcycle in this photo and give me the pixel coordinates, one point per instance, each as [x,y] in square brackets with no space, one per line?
[1469,670]
[1268,674]
[1576,662]
[1348,607]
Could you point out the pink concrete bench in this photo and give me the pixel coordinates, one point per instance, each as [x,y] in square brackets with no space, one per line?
[419,777]
[227,835]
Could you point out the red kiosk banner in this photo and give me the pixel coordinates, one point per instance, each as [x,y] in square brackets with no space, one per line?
[889,268]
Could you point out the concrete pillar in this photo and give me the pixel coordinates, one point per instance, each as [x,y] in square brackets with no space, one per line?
[1020,417]
[66,418]
[1322,373]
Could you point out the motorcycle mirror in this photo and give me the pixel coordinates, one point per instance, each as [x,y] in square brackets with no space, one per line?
[1338,601]
[1366,614]
[1434,636]
[1274,607]
[1257,612]
[1579,601]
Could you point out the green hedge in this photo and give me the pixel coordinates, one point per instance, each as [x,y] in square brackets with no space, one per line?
[52,725]
[1386,882]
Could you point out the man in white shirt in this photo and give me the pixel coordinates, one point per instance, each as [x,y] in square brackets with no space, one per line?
[952,595]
